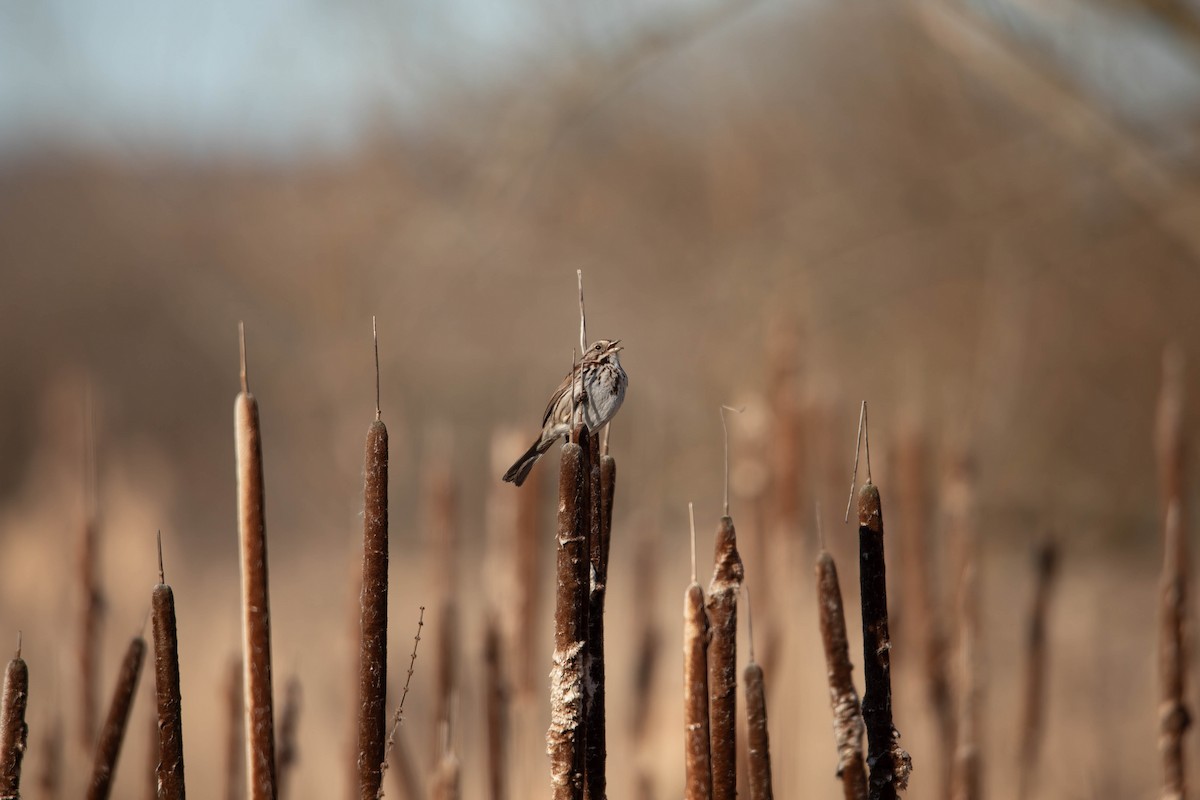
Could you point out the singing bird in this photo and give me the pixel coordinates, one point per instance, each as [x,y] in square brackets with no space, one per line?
[599,383]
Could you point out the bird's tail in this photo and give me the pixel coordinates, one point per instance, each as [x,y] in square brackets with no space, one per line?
[519,471]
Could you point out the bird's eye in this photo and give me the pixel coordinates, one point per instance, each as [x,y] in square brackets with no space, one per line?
[598,347]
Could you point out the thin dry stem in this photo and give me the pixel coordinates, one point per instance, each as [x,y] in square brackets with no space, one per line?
[398,717]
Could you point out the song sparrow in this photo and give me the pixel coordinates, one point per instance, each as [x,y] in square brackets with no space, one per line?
[599,388]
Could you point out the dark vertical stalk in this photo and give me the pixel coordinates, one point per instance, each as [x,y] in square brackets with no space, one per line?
[1034,695]
[92,595]
[256,601]
[603,475]
[14,733]
[495,695]
[843,697]
[1174,715]
[372,672]
[112,735]
[441,504]
[233,730]
[722,660]
[565,738]
[166,685]
[889,764]
[289,723]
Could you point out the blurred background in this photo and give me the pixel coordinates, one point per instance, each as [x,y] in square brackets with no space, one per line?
[982,216]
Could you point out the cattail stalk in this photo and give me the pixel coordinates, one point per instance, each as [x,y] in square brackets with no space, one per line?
[722,660]
[698,777]
[759,750]
[1174,716]
[112,736]
[289,723]
[441,505]
[166,685]
[257,686]
[603,475]
[1034,696]
[843,697]
[14,733]
[966,779]
[890,765]
[565,738]
[372,672]
[495,695]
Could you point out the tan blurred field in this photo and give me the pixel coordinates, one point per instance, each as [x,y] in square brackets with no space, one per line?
[932,218]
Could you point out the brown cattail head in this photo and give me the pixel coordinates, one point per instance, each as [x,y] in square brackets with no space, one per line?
[758,757]
[256,610]
[372,676]
[14,733]
[697,764]
[112,735]
[890,765]
[564,740]
[166,683]
[843,697]
[722,660]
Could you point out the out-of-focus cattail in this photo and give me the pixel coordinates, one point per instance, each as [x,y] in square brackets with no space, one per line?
[289,723]
[441,508]
[645,662]
[565,738]
[696,728]
[233,783]
[446,781]
[372,664]
[1033,711]
[50,776]
[759,750]
[889,764]
[112,735]
[1174,716]
[966,778]
[722,660]
[166,685]
[924,626]
[495,694]
[257,687]
[843,698]
[91,593]
[14,733]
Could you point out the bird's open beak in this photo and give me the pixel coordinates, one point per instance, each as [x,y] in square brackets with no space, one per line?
[616,347]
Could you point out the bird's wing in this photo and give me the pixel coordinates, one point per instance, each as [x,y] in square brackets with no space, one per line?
[557,397]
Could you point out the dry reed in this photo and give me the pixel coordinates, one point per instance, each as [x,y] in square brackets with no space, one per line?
[259,714]
[112,735]
[565,737]
[1174,715]
[398,717]
[1034,695]
[696,729]
[843,697]
[372,672]
[166,684]
[722,660]
[14,733]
